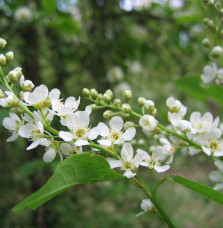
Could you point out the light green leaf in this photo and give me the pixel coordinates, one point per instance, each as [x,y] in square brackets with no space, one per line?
[202,189]
[79,169]
[194,87]
[49,5]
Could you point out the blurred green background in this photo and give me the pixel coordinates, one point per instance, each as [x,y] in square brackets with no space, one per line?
[142,45]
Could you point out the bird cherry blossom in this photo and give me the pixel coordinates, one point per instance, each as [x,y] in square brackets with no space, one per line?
[115,134]
[127,162]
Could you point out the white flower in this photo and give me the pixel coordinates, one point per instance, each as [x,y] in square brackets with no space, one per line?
[175,106]
[217,176]
[64,109]
[13,124]
[204,123]
[115,74]
[211,142]
[23,14]
[146,205]
[115,134]
[155,160]
[26,85]
[40,95]
[78,123]
[148,123]
[209,73]
[178,123]
[127,161]
[69,148]
[34,131]
[10,101]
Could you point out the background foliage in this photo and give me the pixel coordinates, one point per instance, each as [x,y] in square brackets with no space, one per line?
[148,46]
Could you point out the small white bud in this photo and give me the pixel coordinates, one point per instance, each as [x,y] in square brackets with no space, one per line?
[128,94]
[217,51]
[9,56]
[126,108]
[108,114]
[94,107]
[2,60]
[206,42]
[141,142]
[149,105]
[129,124]
[94,93]
[107,98]
[141,101]
[15,74]
[49,155]
[117,102]
[86,92]
[3,43]
[109,93]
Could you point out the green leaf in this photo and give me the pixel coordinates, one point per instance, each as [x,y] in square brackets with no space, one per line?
[193,85]
[188,19]
[49,5]
[202,189]
[79,169]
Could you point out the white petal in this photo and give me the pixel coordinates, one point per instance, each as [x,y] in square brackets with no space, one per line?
[129,134]
[146,204]
[116,123]
[127,152]
[81,142]
[88,109]
[105,142]
[66,136]
[65,148]
[138,159]
[206,150]
[93,134]
[114,163]
[54,94]
[9,123]
[219,164]
[13,137]
[104,130]
[161,169]
[218,186]
[129,174]
[71,102]
[218,153]
[49,155]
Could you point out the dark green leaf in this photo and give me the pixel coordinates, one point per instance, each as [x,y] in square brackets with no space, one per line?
[202,189]
[79,169]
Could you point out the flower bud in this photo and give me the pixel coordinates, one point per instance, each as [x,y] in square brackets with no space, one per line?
[9,56]
[206,42]
[15,74]
[108,114]
[128,124]
[109,93]
[221,11]
[128,95]
[217,51]
[2,60]
[126,108]
[141,142]
[100,96]
[3,43]
[2,95]
[17,111]
[149,105]
[117,102]
[86,92]
[211,24]
[21,95]
[154,112]
[94,93]
[107,98]
[141,101]
[94,107]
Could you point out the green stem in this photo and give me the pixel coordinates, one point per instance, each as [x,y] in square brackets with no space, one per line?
[107,151]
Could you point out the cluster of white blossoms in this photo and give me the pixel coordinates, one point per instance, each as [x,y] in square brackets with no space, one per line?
[213,72]
[33,110]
